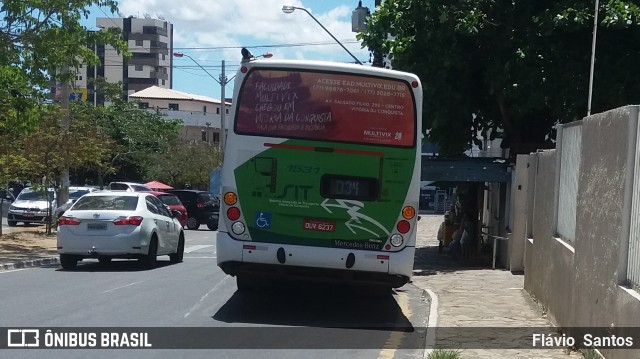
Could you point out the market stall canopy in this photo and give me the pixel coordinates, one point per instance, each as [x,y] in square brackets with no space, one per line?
[158,185]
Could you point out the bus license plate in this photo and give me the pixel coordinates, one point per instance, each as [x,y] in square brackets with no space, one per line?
[97,226]
[318,225]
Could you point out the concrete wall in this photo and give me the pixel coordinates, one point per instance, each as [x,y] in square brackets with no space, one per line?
[580,284]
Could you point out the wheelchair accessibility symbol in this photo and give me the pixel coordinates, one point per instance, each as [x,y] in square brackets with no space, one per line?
[263,220]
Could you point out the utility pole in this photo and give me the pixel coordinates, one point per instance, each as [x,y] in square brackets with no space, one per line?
[65,91]
[223,111]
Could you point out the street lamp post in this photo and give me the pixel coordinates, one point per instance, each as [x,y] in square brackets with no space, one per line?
[593,58]
[288,9]
[223,83]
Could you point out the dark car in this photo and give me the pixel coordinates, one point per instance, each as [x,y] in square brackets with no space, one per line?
[202,207]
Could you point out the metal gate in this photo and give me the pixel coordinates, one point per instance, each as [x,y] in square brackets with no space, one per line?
[633,262]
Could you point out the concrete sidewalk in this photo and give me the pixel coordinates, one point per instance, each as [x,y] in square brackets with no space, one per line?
[475,296]
[22,247]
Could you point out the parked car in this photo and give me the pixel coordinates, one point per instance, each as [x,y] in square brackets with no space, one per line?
[173,202]
[32,206]
[74,194]
[108,225]
[128,186]
[202,207]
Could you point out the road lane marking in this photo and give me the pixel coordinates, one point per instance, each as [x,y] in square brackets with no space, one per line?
[201,257]
[124,286]
[206,295]
[198,247]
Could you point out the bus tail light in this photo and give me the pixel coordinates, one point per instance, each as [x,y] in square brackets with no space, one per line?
[230,198]
[233,213]
[403,226]
[408,212]
[396,240]
[238,228]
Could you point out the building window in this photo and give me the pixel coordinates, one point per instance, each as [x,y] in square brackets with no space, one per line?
[174,106]
[78,78]
[204,136]
[204,109]
[216,137]
[143,105]
[226,110]
[217,110]
[163,56]
[162,82]
[139,67]
[139,43]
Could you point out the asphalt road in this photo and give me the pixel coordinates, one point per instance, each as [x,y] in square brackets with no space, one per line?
[292,322]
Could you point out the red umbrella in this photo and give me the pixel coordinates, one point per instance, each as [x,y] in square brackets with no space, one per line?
[158,185]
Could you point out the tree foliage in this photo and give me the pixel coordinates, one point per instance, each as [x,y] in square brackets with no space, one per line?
[185,163]
[136,133]
[520,66]
[39,41]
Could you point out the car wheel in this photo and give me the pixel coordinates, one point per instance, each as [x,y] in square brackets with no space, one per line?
[179,254]
[193,223]
[104,260]
[150,260]
[68,261]
[12,223]
[212,226]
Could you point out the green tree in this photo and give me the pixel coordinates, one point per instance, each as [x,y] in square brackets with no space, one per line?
[519,66]
[137,133]
[39,40]
[185,162]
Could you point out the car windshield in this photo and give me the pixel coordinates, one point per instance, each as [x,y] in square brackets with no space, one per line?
[34,196]
[107,203]
[170,199]
[77,194]
[139,188]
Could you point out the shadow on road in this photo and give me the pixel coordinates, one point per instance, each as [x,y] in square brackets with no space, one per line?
[327,306]
[113,266]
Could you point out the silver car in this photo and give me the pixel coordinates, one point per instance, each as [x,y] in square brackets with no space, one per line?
[106,225]
[32,206]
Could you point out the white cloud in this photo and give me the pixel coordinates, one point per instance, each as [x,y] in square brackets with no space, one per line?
[224,23]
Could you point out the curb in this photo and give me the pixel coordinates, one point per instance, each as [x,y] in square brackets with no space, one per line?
[29,264]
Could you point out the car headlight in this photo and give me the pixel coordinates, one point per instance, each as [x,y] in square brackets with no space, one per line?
[13,208]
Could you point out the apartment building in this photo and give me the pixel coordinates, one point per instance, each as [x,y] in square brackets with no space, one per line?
[151,45]
[200,115]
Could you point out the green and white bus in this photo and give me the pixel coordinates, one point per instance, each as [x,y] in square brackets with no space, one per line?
[321,174]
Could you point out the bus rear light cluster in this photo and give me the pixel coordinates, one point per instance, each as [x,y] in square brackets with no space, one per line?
[396,240]
[233,213]
[238,228]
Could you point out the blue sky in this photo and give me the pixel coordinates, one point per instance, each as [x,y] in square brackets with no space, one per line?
[214,30]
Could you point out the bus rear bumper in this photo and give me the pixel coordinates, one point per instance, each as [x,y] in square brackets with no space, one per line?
[342,265]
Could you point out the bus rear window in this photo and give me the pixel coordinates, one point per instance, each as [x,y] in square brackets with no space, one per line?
[326,106]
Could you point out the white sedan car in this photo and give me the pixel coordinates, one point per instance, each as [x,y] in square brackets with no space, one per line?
[109,224]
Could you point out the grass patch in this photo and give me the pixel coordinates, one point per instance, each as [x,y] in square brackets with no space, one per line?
[590,354]
[444,354]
